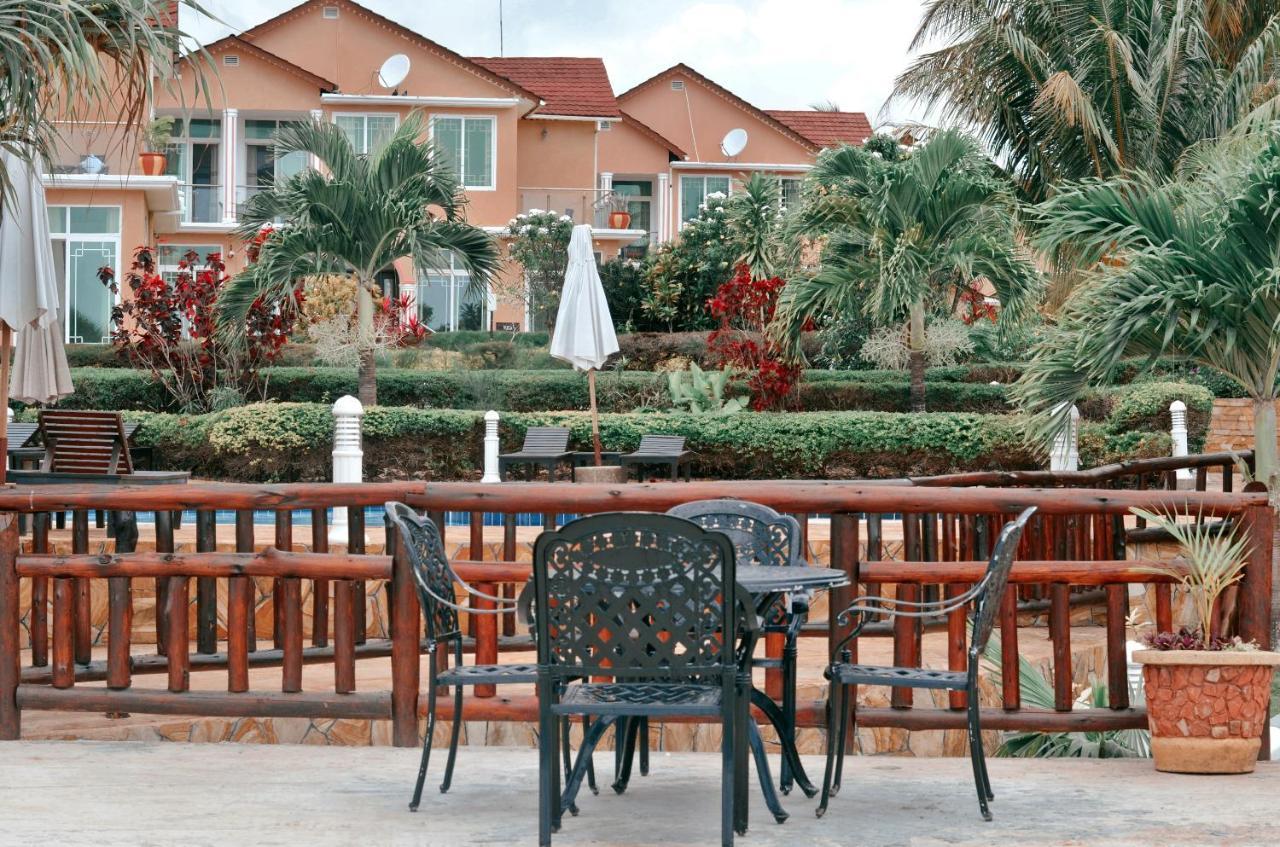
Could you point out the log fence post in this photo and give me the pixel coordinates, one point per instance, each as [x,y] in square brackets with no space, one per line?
[10,629]
[405,671]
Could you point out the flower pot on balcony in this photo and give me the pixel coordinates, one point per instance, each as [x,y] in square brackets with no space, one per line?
[1206,708]
[152,164]
[619,220]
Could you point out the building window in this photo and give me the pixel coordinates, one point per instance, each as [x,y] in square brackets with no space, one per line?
[367,133]
[85,238]
[468,144]
[169,259]
[789,192]
[194,157]
[262,167]
[638,196]
[694,191]
[445,301]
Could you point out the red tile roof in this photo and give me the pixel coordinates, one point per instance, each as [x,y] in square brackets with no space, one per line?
[825,129]
[569,86]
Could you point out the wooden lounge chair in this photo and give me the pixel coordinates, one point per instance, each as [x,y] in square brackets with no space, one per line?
[547,446]
[84,442]
[666,450]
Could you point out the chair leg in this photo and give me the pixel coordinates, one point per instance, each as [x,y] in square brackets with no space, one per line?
[846,697]
[978,759]
[426,741]
[644,746]
[627,739]
[729,776]
[453,739]
[548,769]
[834,748]
[789,657]
[591,766]
[590,739]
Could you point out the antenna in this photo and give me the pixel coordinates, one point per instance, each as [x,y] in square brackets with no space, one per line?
[501,43]
[393,70]
[734,142]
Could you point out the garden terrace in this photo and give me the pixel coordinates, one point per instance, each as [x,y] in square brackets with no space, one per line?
[1078,539]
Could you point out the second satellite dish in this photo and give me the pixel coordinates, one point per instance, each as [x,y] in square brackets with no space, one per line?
[735,141]
[393,71]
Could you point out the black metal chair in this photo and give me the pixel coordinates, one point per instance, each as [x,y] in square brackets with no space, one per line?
[664,450]
[985,595]
[651,603]
[545,446]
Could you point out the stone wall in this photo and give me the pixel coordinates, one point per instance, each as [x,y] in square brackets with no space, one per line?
[1231,425]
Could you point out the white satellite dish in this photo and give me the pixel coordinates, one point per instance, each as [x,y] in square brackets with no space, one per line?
[735,141]
[393,71]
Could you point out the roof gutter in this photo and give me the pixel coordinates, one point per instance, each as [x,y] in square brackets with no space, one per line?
[410,100]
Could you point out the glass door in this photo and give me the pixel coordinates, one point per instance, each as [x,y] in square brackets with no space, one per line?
[84,240]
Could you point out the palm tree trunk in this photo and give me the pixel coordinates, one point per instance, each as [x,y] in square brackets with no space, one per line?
[915,356]
[366,376]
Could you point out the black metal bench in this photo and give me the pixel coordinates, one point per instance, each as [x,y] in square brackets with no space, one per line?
[546,446]
[665,450]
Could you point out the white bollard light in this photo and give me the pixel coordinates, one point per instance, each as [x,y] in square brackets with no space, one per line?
[1178,432]
[1065,455]
[348,457]
[491,447]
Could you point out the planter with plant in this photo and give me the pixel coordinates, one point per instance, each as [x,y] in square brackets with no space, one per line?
[152,161]
[1207,693]
[619,212]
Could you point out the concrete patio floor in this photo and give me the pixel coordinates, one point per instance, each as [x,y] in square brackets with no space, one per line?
[101,793]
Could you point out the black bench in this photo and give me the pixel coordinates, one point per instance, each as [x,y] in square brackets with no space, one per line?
[665,450]
[546,446]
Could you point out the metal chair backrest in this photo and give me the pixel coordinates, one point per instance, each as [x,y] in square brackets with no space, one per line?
[662,445]
[84,442]
[987,604]
[419,538]
[551,440]
[635,596]
[760,535]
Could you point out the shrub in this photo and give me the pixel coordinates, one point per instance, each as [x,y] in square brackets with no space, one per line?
[1145,406]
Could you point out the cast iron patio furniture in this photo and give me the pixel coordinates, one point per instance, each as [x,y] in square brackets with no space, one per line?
[664,450]
[544,446]
[651,603]
[985,595]
[436,582]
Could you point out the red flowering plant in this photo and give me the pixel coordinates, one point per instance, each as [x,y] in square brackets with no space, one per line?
[397,323]
[166,326]
[744,306]
[974,306]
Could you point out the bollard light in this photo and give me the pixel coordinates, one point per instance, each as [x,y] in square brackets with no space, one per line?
[348,457]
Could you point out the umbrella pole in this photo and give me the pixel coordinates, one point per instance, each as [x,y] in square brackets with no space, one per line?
[595,414]
[6,350]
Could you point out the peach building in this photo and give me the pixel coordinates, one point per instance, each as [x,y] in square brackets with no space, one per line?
[524,132]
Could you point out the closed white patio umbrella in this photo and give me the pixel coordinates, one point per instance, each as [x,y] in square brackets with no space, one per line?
[584,335]
[28,300]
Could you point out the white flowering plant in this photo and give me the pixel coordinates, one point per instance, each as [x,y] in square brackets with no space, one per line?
[539,243]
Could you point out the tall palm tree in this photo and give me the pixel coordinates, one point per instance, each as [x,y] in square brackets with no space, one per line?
[356,216]
[902,235]
[62,60]
[1068,89]
[1184,267]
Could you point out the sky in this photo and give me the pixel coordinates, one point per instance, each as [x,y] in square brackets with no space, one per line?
[776,54]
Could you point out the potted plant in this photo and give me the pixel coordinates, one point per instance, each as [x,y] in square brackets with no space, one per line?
[619,217]
[1207,694]
[155,138]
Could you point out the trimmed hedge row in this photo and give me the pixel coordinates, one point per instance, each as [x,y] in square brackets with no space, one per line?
[293,441]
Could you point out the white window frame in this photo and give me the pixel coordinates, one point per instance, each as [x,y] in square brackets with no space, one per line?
[66,236]
[453,303]
[395,116]
[704,177]
[493,146]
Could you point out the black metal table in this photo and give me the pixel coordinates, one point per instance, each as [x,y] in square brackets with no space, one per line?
[769,585]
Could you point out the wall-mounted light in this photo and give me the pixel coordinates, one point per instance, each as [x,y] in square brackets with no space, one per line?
[544,133]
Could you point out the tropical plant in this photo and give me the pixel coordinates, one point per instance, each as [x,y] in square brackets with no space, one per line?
[155,137]
[899,237]
[745,306]
[754,219]
[685,273]
[60,61]
[1182,268]
[947,342]
[356,216]
[1063,91]
[1215,558]
[703,391]
[540,245]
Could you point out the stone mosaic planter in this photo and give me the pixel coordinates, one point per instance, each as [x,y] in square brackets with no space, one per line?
[1206,709]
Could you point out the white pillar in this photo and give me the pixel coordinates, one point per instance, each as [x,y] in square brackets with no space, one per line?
[1178,432]
[1065,455]
[317,115]
[348,458]
[662,199]
[230,140]
[491,447]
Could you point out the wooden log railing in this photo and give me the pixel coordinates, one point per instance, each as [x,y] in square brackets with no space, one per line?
[946,531]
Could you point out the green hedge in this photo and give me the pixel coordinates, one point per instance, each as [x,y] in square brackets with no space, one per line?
[1145,406]
[293,441]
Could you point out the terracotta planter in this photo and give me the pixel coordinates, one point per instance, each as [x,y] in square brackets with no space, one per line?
[619,220]
[1206,709]
[152,164]
[604,473]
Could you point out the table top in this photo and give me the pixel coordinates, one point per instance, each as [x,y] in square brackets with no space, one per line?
[769,579]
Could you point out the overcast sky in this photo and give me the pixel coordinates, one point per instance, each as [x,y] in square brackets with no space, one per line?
[777,54]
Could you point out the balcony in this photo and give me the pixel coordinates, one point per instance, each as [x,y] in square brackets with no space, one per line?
[94,150]
[201,204]
[584,205]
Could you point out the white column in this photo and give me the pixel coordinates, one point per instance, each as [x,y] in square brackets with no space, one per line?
[348,457]
[317,115]
[1178,432]
[491,447]
[662,199]
[1065,455]
[230,157]
[599,212]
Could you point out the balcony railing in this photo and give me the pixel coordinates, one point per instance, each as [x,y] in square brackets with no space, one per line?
[584,205]
[201,204]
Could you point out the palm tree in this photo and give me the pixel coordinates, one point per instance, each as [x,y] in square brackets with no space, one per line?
[1067,90]
[1185,267]
[356,216]
[902,235]
[61,60]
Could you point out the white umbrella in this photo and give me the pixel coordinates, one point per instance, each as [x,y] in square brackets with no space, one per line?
[584,335]
[28,298]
